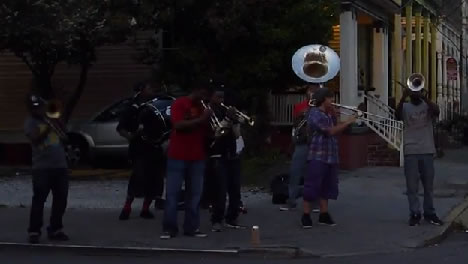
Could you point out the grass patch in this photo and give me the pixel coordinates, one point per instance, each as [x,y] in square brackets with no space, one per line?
[258,170]
[99,174]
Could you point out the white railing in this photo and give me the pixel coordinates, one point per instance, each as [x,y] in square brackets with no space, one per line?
[282,106]
[381,119]
[381,108]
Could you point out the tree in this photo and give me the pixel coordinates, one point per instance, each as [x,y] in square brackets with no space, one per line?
[44,33]
[246,43]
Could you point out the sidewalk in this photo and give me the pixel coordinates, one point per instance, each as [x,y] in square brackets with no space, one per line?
[371,214]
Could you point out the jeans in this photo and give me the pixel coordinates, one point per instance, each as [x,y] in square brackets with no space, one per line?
[176,172]
[420,167]
[226,180]
[44,181]
[297,171]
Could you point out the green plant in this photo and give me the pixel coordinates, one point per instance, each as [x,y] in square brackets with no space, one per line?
[256,168]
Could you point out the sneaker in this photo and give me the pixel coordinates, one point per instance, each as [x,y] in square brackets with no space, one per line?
[58,236]
[234,225]
[287,208]
[242,210]
[197,233]
[433,219]
[216,227]
[414,220]
[306,221]
[167,235]
[326,219]
[146,214]
[124,215]
[34,238]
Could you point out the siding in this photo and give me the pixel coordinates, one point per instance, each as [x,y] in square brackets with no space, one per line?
[111,78]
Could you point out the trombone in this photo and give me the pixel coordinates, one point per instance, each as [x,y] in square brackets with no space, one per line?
[240,116]
[52,117]
[361,115]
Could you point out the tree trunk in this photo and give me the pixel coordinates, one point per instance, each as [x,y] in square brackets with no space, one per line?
[43,84]
[75,97]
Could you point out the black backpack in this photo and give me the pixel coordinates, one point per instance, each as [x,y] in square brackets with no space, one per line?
[279,189]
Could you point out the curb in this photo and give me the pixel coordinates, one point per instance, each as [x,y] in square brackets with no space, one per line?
[117,250]
[263,252]
[439,234]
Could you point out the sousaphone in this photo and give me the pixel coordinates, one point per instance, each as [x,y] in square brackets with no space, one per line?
[316,64]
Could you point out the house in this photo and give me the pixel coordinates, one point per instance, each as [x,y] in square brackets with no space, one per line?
[379,49]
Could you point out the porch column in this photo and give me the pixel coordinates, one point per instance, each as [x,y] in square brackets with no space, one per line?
[380,62]
[440,63]
[435,62]
[409,40]
[417,44]
[349,56]
[444,73]
[397,48]
[426,54]
[457,82]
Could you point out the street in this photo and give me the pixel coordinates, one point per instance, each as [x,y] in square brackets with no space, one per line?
[452,250]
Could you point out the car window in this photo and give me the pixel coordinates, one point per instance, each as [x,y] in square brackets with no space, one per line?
[113,112]
[164,106]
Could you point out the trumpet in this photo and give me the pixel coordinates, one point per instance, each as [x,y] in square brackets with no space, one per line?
[215,124]
[240,116]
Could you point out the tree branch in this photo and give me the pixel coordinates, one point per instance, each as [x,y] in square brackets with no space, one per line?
[29,64]
[75,97]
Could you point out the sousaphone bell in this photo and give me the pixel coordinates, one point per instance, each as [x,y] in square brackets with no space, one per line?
[316,63]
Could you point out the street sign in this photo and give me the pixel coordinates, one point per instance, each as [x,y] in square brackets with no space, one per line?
[452,69]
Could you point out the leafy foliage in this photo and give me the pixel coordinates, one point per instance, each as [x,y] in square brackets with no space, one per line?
[247,43]
[44,33]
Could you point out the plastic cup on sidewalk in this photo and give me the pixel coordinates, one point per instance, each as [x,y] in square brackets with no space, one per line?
[255,236]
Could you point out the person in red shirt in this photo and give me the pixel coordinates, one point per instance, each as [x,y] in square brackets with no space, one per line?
[186,160]
[299,157]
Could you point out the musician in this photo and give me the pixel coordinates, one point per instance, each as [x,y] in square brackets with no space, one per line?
[300,142]
[418,115]
[49,171]
[224,165]
[186,158]
[321,181]
[146,180]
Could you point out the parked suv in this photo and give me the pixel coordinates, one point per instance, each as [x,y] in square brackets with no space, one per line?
[98,138]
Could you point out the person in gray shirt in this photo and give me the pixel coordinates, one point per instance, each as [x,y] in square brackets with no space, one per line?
[49,171]
[419,149]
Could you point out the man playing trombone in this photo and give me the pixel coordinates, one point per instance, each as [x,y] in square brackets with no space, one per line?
[49,168]
[418,115]
[321,182]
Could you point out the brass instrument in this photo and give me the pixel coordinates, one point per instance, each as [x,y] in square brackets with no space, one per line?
[215,124]
[314,64]
[416,82]
[241,117]
[52,118]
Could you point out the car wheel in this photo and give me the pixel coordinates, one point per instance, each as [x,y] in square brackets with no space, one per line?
[77,152]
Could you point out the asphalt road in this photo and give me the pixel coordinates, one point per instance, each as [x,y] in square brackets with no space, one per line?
[453,250]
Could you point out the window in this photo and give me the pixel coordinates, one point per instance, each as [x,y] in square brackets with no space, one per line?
[113,112]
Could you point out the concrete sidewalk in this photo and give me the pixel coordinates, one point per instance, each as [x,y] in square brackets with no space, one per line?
[371,214]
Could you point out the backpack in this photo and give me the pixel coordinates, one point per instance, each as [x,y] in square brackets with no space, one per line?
[279,189]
